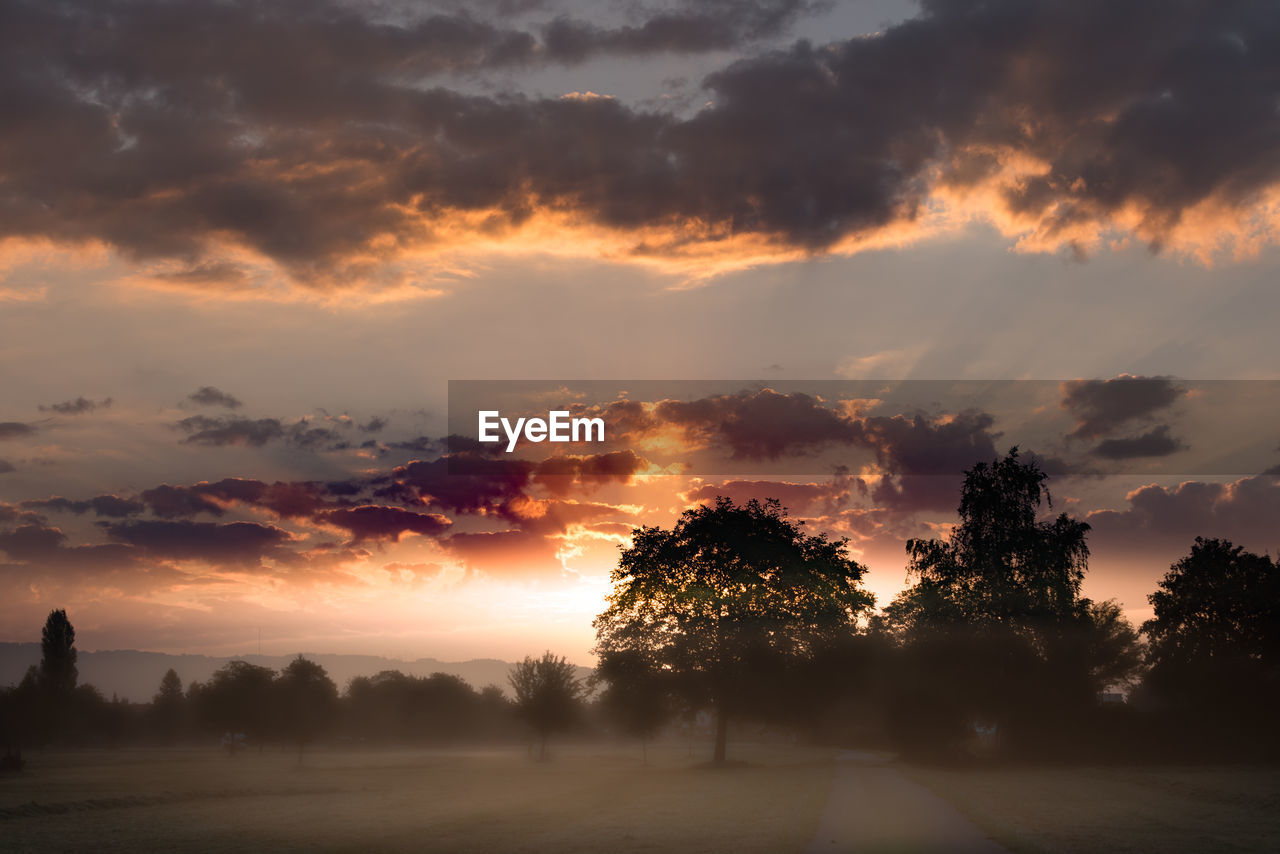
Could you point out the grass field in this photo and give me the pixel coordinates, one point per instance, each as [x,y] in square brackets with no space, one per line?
[586,799]
[589,799]
[1121,809]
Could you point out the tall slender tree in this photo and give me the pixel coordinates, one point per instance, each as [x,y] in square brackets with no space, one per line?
[58,673]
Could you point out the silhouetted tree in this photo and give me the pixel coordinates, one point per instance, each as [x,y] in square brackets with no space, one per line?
[994,627]
[548,695]
[1215,635]
[307,701]
[1001,566]
[168,712]
[19,726]
[238,698]
[392,706]
[58,654]
[53,701]
[726,601]
[1112,649]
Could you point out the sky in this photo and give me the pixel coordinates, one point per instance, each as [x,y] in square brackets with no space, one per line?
[245,247]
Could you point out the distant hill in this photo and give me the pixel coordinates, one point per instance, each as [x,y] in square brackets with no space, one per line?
[134,675]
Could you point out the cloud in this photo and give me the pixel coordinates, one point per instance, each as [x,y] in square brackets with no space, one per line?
[512,553]
[287,500]
[79,406]
[487,485]
[384,524]
[15,430]
[1155,443]
[760,425]
[419,445]
[210,396]
[256,432]
[33,540]
[309,136]
[110,506]
[799,498]
[1103,406]
[692,27]
[1246,511]
[562,474]
[176,502]
[6,467]
[234,543]
[924,458]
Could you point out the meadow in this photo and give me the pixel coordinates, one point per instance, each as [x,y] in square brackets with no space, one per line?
[1073,810]
[586,799]
[591,798]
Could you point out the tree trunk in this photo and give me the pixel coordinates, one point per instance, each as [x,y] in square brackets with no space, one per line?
[542,753]
[722,734]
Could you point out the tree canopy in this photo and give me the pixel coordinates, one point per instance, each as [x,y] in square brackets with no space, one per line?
[307,701]
[1001,565]
[727,598]
[238,698]
[995,627]
[1215,633]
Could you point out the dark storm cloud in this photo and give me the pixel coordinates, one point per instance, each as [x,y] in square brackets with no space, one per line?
[31,541]
[1103,406]
[920,445]
[178,502]
[562,474]
[109,506]
[384,524]
[486,485]
[303,131]
[761,425]
[235,543]
[210,396]
[1155,443]
[15,430]
[256,432]
[79,406]
[926,457]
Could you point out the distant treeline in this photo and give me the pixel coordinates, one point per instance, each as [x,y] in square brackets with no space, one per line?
[245,705]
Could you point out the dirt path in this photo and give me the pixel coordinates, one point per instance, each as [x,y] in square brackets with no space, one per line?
[873,807]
